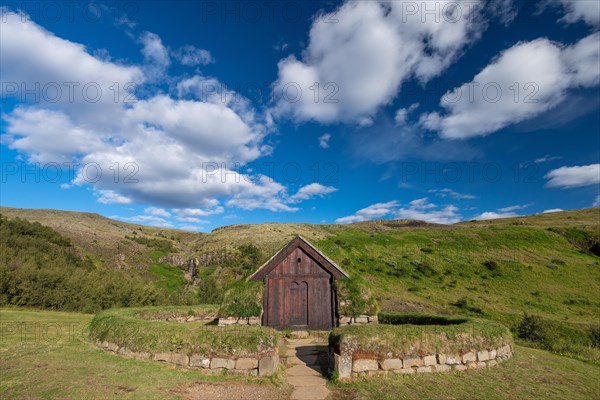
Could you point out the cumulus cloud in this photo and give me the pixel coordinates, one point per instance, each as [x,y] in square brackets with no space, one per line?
[596,202]
[324,140]
[544,72]
[394,41]
[151,220]
[111,197]
[419,209]
[403,113]
[570,177]
[373,211]
[579,10]
[191,56]
[159,212]
[311,191]
[156,56]
[170,152]
[423,210]
[494,215]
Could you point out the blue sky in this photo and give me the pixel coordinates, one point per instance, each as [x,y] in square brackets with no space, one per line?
[195,115]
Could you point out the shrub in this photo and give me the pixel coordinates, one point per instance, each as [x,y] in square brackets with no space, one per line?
[355,298]
[594,334]
[533,329]
[243,300]
[208,291]
[468,305]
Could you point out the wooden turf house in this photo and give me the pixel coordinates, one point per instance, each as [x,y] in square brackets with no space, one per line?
[299,291]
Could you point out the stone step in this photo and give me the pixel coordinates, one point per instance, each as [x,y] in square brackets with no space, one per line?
[310,393]
[302,370]
[302,381]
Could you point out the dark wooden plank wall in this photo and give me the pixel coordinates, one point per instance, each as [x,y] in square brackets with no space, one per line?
[281,304]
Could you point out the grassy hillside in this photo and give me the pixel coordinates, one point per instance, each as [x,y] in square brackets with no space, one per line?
[103,239]
[546,265]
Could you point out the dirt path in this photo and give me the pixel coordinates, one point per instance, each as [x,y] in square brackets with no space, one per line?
[304,362]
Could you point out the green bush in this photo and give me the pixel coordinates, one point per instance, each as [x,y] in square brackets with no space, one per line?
[558,337]
[163,245]
[355,298]
[209,291]
[594,334]
[243,300]
[533,329]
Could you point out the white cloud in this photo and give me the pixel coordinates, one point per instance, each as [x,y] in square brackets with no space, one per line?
[552,210]
[546,158]
[192,228]
[451,193]
[423,210]
[494,215]
[311,191]
[359,55]
[544,72]
[324,140]
[268,194]
[159,212]
[373,211]
[576,10]
[596,202]
[513,208]
[197,212]
[419,209]
[111,197]
[504,10]
[169,152]
[191,56]
[156,56]
[151,220]
[570,177]
[403,113]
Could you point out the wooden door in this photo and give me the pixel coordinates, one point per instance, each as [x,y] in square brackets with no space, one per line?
[297,306]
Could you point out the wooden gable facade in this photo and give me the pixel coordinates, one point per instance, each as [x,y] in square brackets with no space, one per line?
[299,291]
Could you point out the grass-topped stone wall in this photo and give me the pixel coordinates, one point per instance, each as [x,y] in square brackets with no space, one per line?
[409,343]
[356,303]
[242,304]
[157,333]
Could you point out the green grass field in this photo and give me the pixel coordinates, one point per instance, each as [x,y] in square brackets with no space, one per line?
[46,355]
[530,374]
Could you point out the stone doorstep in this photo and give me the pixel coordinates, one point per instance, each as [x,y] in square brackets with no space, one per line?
[302,370]
[319,392]
[303,381]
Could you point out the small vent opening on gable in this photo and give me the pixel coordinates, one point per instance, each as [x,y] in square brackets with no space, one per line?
[299,260]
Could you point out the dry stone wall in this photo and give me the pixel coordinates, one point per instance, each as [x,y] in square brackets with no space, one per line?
[263,365]
[349,366]
[361,319]
[239,321]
